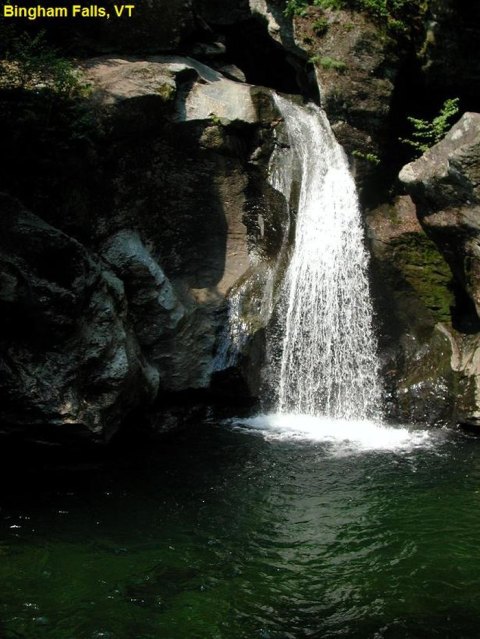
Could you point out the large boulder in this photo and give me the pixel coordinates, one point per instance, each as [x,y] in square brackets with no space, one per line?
[444,184]
[68,357]
[199,92]
[413,298]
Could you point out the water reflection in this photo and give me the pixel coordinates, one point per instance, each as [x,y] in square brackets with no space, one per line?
[224,534]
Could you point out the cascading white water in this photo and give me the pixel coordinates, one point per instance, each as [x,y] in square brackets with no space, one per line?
[328,364]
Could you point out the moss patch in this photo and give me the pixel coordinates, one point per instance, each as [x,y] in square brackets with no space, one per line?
[424,268]
[166,91]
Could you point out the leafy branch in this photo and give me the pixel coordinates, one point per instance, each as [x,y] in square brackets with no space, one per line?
[426,133]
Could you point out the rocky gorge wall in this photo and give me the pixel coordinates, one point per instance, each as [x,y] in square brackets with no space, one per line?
[126,241]
[115,294]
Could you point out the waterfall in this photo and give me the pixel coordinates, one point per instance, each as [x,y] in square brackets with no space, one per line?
[327,364]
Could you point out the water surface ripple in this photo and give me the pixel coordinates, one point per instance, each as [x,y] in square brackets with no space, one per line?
[225,532]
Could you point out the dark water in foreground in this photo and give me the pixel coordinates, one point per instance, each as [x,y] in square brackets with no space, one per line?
[224,534]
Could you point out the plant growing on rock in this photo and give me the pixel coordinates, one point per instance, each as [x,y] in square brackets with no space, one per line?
[426,133]
[320,26]
[295,7]
[368,157]
[30,64]
[395,15]
[328,63]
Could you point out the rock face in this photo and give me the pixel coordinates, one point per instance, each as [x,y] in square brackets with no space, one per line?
[449,52]
[135,306]
[68,356]
[411,288]
[205,94]
[444,184]
[356,66]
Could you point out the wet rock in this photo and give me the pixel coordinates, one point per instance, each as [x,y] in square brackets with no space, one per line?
[412,293]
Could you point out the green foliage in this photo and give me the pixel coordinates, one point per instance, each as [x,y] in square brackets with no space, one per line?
[320,26]
[295,7]
[30,64]
[330,4]
[395,15]
[215,119]
[368,157]
[328,63]
[426,133]
[166,92]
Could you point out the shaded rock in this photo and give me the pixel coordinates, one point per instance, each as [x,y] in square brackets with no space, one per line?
[449,50]
[68,356]
[465,360]
[216,153]
[356,67]
[169,204]
[413,294]
[445,185]
[279,27]
[417,268]
[154,26]
[223,12]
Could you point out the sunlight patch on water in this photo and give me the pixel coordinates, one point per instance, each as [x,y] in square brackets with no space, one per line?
[343,436]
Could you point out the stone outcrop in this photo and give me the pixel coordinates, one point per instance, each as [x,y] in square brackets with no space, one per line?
[203,93]
[444,184]
[134,307]
[412,292]
[356,67]
[157,202]
[69,356]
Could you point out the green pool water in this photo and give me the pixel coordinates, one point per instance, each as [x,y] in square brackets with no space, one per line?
[234,532]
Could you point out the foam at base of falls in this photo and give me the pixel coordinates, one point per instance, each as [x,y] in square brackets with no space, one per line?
[343,436]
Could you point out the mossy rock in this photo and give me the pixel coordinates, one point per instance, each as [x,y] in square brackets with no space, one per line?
[417,258]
